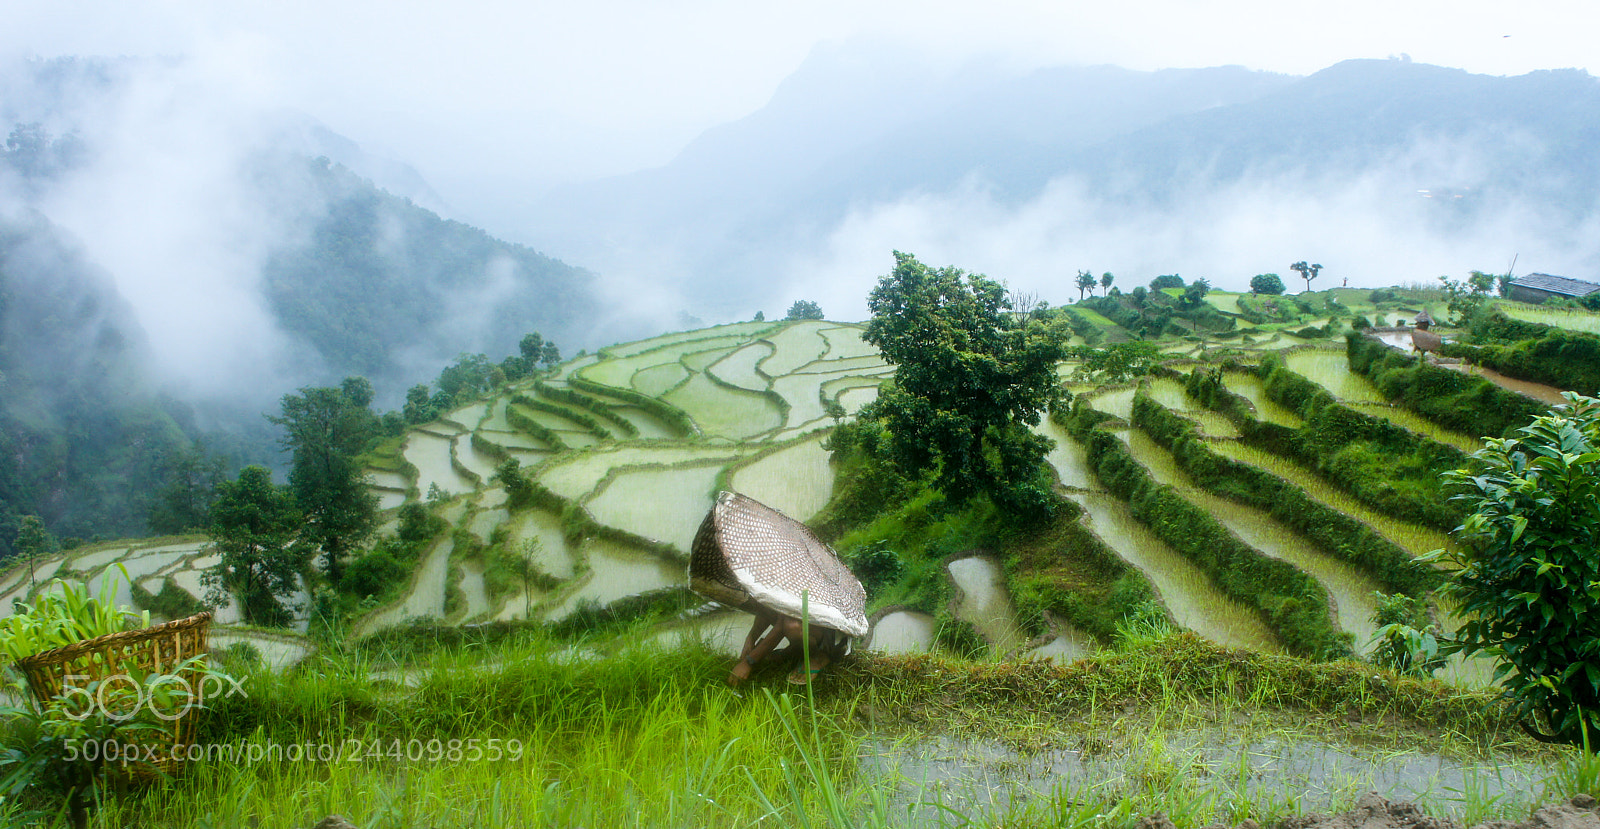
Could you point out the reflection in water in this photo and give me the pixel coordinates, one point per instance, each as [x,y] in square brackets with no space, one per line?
[903,631]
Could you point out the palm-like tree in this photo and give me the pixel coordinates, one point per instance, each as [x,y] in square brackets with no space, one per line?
[1085,283]
[1307,272]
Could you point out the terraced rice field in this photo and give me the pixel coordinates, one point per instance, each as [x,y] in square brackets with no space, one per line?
[1572,320]
[1170,393]
[1331,370]
[1251,388]
[796,480]
[663,504]
[1191,598]
[1350,589]
[736,414]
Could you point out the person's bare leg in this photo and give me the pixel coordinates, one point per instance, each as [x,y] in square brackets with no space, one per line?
[765,634]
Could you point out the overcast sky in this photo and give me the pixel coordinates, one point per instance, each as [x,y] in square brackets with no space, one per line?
[517,94]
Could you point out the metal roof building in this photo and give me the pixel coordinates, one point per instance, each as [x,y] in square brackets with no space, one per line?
[1538,287]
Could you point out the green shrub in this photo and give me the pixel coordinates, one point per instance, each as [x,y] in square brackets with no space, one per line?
[1525,572]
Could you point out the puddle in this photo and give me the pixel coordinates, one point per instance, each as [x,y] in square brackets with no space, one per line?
[430,454]
[903,631]
[1331,370]
[722,632]
[1250,387]
[476,462]
[427,593]
[1070,460]
[661,504]
[854,399]
[739,367]
[1537,391]
[986,778]
[797,345]
[985,604]
[804,395]
[472,587]
[1070,646]
[278,653]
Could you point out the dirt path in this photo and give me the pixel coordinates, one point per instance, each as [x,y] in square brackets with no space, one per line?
[1376,812]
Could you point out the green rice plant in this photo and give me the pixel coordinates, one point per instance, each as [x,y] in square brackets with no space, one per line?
[797,344]
[740,367]
[725,410]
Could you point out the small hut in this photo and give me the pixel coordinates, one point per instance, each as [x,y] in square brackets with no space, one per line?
[1423,340]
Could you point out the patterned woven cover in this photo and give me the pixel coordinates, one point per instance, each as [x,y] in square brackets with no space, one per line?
[747,550]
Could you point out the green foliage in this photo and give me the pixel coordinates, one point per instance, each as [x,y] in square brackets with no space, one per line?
[519,490]
[64,612]
[804,309]
[1526,575]
[673,416]
[326,430]
[254,524]
[1405,641]
[1381,464]
[877,566]
[1085,282]
[967,385]
[1170,280]
[1266,283]
[1116,362]
[192,476]
[1307,272]
[377,277]
[594,404]
[1451,399]
[173,602]
[1466,300]
[377,573]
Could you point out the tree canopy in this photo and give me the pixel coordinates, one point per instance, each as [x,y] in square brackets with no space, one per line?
[1526,575]
[804,309]
[253,526]
[968,383]
[326,431]
[1266,283]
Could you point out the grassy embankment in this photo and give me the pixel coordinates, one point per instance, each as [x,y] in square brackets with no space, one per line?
[651,738]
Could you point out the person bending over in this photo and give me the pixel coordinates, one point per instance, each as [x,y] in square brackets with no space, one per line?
[771,627]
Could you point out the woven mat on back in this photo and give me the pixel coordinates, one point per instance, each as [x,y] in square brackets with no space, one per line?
[748,550]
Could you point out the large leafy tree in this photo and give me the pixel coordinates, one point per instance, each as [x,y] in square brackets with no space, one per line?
[193,475]
[1527,575]
[253,525]
[1266,283]
[326,431]
[804,309]
[968,383]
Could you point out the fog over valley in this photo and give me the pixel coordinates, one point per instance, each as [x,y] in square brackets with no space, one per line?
[204,210]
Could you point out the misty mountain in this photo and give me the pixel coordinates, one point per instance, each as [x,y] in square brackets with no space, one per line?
[842,140]
[168,272]
[83,432]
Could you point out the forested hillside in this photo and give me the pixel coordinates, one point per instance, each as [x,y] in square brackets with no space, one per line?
[149,320]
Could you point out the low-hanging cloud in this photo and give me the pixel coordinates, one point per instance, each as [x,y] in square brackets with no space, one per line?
[1376,227]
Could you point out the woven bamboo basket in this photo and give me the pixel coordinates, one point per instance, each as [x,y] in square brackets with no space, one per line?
[157,649]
